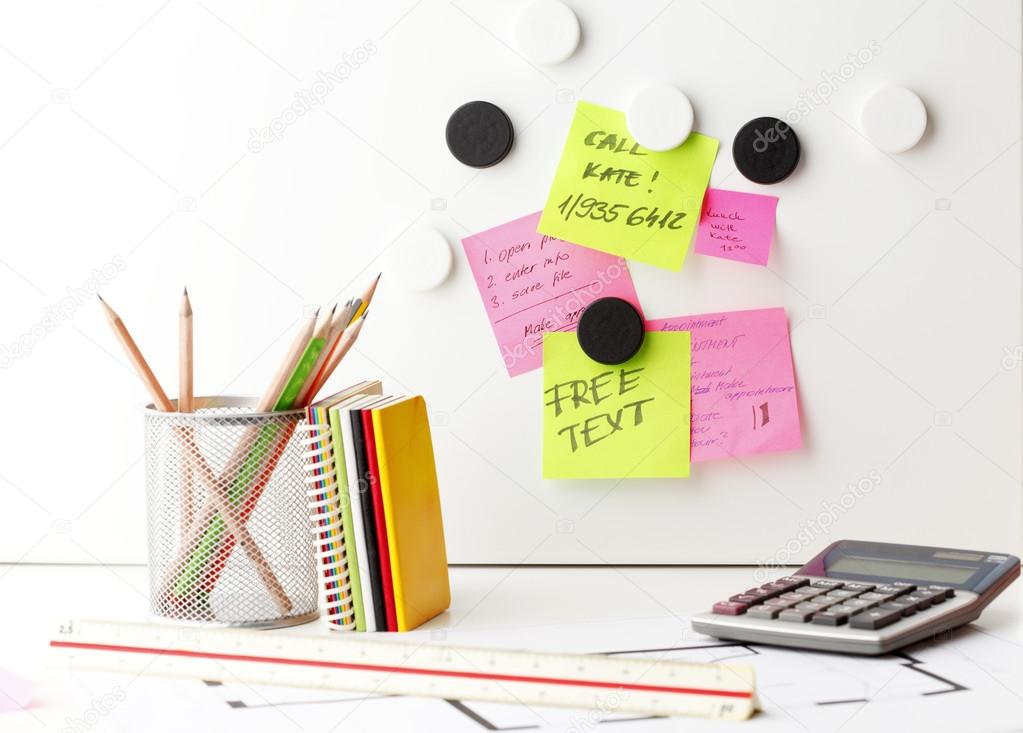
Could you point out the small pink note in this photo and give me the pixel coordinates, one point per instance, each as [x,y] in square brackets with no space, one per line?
[736,226]
[744,389]
[532,283]
[15,692]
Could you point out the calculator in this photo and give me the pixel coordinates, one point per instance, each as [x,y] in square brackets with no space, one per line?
[864,598]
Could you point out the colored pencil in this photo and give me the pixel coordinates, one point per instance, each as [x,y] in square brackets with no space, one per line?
[367,297]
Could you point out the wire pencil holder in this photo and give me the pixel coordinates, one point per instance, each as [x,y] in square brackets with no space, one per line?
[227,514]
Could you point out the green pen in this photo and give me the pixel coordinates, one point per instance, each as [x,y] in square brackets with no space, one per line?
[250,469]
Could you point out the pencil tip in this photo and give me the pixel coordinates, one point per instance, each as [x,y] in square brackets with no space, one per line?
[100,298]
[186,291]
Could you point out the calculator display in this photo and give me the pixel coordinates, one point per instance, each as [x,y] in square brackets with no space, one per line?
[900,569]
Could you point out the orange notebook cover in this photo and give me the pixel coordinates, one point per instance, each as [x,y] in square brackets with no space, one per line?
[415,529]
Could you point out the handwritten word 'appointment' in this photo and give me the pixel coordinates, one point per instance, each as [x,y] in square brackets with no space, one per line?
[591,392]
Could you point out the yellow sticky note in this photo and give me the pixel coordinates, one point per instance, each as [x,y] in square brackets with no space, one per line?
[610,193]
[630,420]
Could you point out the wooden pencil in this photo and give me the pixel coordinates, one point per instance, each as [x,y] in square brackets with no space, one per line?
[343,346]
[367,297]
[266,403]
[312,385]
[138,361]
[298,346]
[186,396]
[185,375]
[216,489]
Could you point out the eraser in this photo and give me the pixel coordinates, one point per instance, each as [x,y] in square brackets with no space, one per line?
[610,331]
[765,150]
[420,260]
[894,119]
[660,117]
[479,134]
[546,32]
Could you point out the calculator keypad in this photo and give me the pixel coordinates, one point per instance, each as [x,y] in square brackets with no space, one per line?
[797,599]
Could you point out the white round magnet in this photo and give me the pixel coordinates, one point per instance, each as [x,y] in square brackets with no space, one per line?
[546,32]
[420,260]
[894,119]
[660,117]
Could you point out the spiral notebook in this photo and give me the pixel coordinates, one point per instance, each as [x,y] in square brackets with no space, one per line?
[341,598]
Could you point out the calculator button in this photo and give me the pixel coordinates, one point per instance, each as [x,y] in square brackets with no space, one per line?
[793,614]
[811,606]
[775,587]
[891,589]
[841,595]
[904,607]
[794,581]
[875,597]
[749,600]
[831,617]
[729,608]
[948,592]
[931,595]
[858,604]
[858,587]
[875,618]
[921,601]
[811,592]
[826,584]
[759,593]
[906,587]
[766,612]
[791,596]
[779,603]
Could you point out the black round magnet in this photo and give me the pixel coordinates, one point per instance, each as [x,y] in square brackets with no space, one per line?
[479,134]
[766,150]
[610,331]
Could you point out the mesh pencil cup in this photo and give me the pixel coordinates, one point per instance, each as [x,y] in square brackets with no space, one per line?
[228,522]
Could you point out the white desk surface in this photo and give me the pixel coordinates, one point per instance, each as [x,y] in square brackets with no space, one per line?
[591,609]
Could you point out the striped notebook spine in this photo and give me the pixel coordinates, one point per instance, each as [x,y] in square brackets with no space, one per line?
[328,532]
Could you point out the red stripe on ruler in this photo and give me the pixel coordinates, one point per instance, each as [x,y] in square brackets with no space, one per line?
[403,670]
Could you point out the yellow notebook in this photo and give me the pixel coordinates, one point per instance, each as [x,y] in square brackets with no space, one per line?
[415,530]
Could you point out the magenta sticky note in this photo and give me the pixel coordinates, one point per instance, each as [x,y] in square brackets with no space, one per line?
[744,389]
[532,283]
[736,226]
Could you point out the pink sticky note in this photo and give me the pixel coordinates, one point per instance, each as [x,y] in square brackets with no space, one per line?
[744,390]
[531,283]
[736,226]
[15,692]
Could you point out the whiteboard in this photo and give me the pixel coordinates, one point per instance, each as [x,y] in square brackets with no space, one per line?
[144,146]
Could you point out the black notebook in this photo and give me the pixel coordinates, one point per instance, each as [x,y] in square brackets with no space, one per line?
[368,520]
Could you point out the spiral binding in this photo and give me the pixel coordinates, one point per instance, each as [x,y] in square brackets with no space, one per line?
[325,516]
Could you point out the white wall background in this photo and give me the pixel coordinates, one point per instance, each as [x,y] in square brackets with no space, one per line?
[125,133]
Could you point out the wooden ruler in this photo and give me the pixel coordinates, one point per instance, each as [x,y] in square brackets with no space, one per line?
[357,662]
